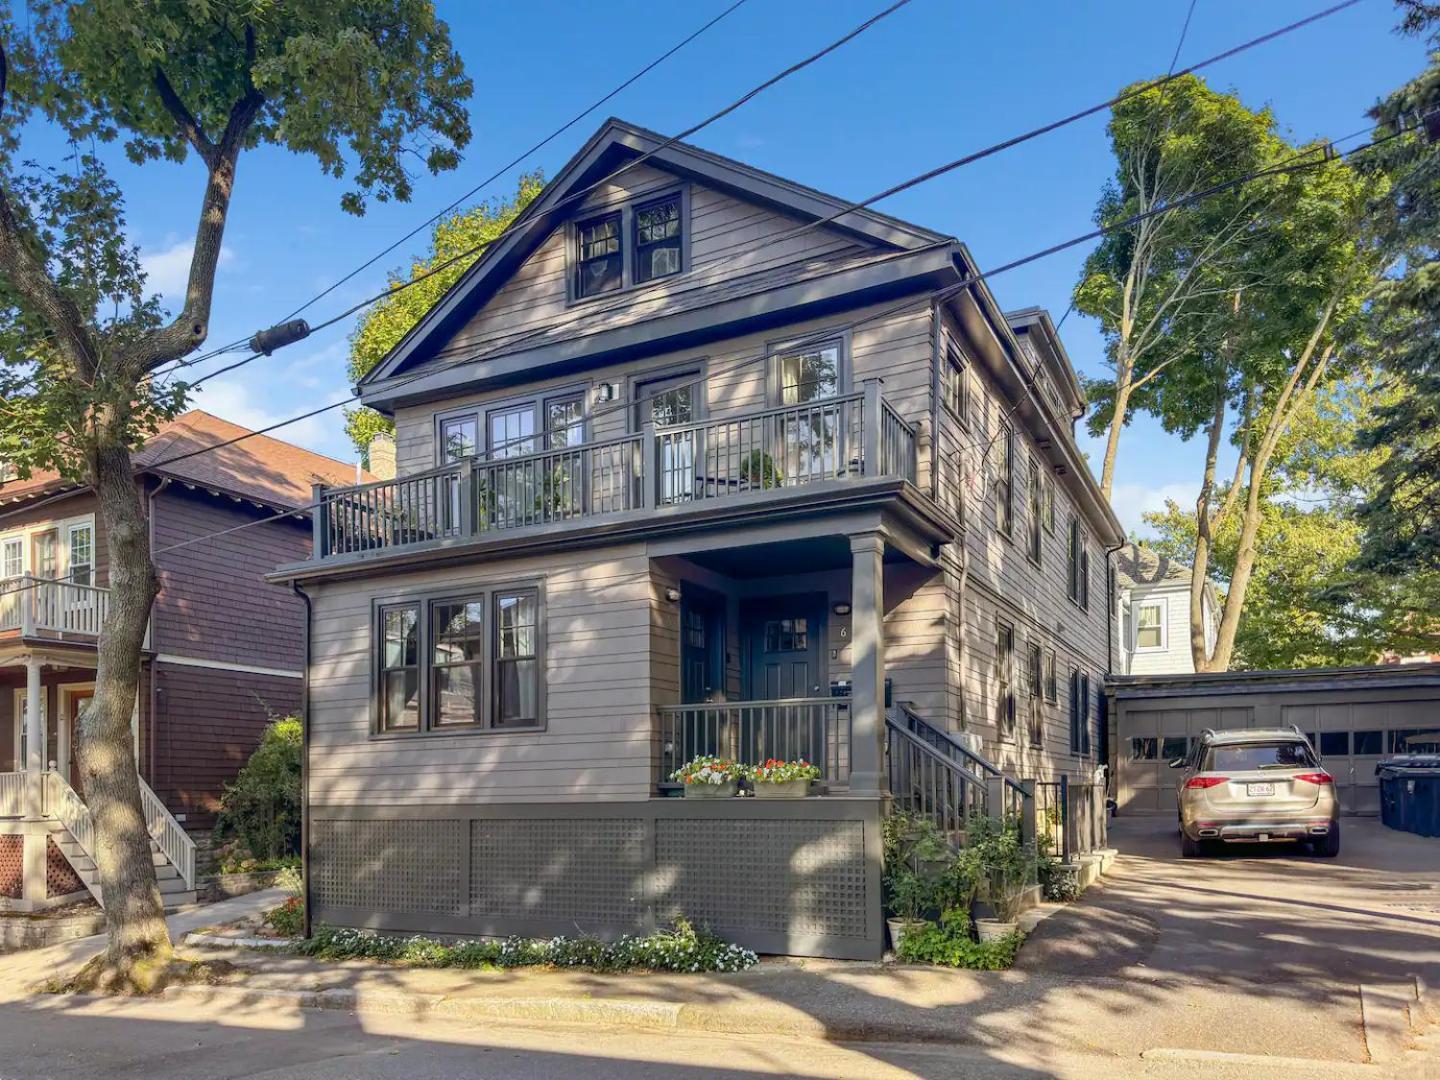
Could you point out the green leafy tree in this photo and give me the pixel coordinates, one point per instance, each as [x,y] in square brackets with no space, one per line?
[262,808]
[455,237]
[364,88]
[1157,286]
[1402,519]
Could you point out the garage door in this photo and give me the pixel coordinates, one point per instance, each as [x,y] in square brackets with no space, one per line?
[1148,739]
[1353,738]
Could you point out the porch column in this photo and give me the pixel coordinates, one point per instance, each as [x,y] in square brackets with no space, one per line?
[867,676]
[34,741]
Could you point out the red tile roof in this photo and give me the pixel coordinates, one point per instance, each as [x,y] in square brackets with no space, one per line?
[261,468]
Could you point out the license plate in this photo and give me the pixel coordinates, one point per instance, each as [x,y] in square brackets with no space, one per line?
[1257,790]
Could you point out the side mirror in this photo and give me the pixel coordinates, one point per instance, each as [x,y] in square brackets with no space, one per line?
[1177,763]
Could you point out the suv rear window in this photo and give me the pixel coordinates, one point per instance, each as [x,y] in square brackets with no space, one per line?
[1243,756]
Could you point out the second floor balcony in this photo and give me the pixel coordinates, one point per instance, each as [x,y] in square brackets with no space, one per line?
[735,456]
[39,607]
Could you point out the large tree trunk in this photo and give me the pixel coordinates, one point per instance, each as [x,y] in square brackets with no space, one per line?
[1200,570]
[1245,556]
[139,943]
[1112,440]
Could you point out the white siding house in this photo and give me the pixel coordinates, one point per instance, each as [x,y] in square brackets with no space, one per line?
[1153,631]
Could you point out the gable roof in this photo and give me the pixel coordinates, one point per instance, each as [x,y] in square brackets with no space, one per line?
[1136,565]
[614,145]
[263,469]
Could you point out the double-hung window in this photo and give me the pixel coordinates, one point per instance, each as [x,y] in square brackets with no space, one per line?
[1052,687]
[657,240]
[957,385]
[599,262]
[12,567]
[1150,625]
[1078,580]
[82,555]
[1004,679]
[1005,485]
[809,374]
[809,442]
[460,663]
[1079,712]
[1035,678]
[1037,513]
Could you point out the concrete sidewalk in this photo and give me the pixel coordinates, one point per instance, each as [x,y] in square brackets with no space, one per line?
[22,971]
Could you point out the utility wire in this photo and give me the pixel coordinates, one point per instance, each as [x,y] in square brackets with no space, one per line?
[577,196]
[905,185]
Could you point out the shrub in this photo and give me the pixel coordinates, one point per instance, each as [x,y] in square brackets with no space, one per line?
[1057,885]
[681,948]
[949,943]
[287,920]
[261,810]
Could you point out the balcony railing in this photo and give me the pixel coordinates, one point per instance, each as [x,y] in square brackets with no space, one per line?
[851,436]
[751,732]
[34,605]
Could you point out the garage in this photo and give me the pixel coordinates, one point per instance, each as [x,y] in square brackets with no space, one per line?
[1355,717]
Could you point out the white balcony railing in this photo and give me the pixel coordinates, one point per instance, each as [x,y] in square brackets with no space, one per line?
[12,794]
[38,605]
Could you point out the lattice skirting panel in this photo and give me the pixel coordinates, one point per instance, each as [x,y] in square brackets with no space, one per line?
[60,876]
[12,867]
[797,877]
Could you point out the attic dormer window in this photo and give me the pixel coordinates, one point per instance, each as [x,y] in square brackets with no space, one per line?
[657,240]
[601,263]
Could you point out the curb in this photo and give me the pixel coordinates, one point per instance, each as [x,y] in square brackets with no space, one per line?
[218,941]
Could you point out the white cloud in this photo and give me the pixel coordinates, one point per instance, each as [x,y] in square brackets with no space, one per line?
[168,269]
[1131,501]
[257,405]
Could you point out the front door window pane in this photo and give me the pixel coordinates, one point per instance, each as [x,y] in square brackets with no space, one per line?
[517,667]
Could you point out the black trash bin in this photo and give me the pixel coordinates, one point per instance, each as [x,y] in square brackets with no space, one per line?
[1410,793]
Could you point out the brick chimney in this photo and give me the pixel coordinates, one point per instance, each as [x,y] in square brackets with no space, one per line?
[382,456]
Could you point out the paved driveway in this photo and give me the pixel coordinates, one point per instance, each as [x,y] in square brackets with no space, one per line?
[1258,950]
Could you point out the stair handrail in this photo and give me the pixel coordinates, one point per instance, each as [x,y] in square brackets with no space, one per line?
[941,812]
[926,730]
[65,806]
[175,843]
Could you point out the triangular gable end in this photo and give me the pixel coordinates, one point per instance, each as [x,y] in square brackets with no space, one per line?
[535,246]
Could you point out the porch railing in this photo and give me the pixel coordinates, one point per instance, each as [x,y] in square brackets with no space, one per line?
[30,605]
[852,435]
[175,843]
[751,732]
[12,794]
[65,806]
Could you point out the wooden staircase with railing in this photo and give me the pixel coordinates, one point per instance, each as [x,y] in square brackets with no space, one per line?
[171,849]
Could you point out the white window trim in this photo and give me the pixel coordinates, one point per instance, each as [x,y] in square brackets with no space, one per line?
[19,715]
[62,527]
[1163,603]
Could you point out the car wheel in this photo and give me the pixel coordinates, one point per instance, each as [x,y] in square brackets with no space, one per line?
[1328,846]
[1189,849]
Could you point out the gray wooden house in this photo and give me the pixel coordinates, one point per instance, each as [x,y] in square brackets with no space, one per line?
[684,467]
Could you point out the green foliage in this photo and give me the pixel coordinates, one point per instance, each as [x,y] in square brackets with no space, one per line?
[262,808]
[683,948]
[1057,884]
[366,88]
[1402,516]
[758,469]
[996,861]
[288,919]
[949,943]
[389,320]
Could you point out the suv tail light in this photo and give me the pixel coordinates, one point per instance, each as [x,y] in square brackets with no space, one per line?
[1206,781]
[1315,777]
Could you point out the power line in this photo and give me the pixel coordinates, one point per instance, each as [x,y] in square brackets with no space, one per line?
[1288,165]
[629,165]
[905,185]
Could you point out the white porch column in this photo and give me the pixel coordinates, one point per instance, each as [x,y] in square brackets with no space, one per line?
[867,677]
[34,741]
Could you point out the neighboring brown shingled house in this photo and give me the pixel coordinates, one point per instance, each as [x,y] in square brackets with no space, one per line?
[225,649]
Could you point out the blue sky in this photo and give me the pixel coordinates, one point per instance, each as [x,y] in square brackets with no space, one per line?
[930,83]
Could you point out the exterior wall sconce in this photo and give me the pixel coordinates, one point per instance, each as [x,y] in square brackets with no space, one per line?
[672,594]
[605,391]
[841,608]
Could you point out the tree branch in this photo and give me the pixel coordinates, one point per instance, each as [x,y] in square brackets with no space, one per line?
[184,120]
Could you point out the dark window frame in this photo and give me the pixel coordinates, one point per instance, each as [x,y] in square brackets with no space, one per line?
[1035,662]
[1005,482]
[1078,565]
[626,210]
[1052,678]
[957,384]
[1035,542]
[424,604]
[678,241]
[539,401]
[1005,679]
[791,345]
[617,256]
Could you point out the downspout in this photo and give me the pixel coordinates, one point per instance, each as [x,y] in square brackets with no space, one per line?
[304,766]
[150,530]
[935,392]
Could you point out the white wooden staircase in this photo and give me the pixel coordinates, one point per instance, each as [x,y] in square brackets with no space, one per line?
[171,849]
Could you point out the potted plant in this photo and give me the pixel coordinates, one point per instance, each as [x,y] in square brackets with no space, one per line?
[709,777]
[757,470]
[996,859]
[778,779]
[908,896]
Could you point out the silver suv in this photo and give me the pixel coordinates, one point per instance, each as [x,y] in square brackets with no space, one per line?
[1255,786]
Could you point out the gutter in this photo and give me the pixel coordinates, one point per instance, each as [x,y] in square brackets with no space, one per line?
[304,764]
[150,629]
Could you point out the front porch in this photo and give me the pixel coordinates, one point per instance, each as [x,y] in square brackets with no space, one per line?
[47,833]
